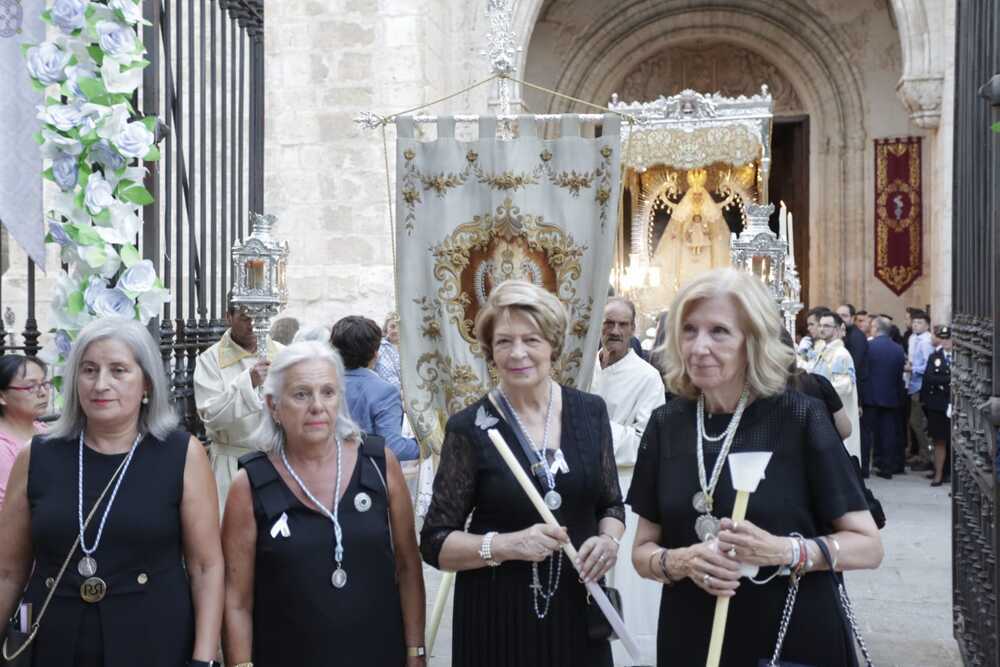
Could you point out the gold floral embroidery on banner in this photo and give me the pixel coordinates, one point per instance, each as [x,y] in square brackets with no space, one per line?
[502,245]
[413,181]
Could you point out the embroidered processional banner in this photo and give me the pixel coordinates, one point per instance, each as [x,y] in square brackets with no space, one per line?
[472,214]
[898,219]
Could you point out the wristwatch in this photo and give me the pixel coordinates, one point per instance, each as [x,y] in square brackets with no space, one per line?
[415,651]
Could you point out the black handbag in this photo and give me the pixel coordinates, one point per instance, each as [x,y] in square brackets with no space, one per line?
[874,506]
[844,607]
[598,627]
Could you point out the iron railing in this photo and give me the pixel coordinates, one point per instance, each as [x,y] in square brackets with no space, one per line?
[205,82]
[976,362]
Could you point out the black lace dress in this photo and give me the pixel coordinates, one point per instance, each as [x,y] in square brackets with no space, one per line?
[810,481]
[495,624]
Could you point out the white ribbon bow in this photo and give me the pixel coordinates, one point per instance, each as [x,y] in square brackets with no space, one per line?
[280,527]
[558,463]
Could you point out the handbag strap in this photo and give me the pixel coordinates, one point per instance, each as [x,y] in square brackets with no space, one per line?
[62,571]
[846,608]
[786,617]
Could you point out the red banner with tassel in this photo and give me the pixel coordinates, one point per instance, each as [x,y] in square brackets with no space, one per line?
[898,217]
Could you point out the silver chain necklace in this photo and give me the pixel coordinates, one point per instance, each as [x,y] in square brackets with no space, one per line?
[339,576]
[554,501]
[87,567]
[552,498]
[707,525]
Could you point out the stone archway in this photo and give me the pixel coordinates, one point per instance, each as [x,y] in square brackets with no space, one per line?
[809,53]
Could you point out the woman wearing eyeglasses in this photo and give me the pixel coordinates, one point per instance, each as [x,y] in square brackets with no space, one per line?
[24,397]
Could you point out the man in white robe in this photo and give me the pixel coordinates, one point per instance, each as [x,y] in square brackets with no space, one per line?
[226,380]
[835,363]
[632,389]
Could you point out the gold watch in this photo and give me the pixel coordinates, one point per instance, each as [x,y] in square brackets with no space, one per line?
[412,652]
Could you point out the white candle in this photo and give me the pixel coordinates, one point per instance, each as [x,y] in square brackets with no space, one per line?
[791,239]
[782,222]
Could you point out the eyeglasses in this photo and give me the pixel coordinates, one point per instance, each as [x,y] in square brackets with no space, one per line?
[33,388]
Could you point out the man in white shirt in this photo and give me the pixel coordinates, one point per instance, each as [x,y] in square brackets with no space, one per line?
[226,378]
[835,363]
[632,389]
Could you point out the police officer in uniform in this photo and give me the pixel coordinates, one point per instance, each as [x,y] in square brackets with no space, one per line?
[935,395]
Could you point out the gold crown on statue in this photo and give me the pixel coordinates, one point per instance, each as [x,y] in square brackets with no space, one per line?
[696,178]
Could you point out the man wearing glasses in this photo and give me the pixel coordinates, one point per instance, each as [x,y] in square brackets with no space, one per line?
[834,363]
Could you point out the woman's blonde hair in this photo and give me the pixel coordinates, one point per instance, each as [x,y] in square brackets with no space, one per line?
[539,305]
[768,359]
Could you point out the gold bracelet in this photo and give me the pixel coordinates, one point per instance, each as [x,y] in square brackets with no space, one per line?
[243,664]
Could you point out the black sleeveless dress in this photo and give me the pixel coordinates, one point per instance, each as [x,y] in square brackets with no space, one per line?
[146,617]
[299,618]
[495,624]
[810,482]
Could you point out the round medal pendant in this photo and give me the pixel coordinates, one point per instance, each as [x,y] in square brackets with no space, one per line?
[706,527]
[702,502]
[87,567]
[553,500]
[339,578]
[362,502]
[93,590]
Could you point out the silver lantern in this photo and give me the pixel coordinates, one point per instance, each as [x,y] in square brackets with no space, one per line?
[259,277]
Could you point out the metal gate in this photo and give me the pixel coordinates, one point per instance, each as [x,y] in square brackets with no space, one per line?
[976,304]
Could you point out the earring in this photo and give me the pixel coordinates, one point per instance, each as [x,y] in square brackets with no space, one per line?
[145,398]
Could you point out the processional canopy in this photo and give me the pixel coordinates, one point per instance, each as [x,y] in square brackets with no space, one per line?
[697,169]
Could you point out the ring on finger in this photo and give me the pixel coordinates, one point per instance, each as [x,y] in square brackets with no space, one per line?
[707,578]
[732,552]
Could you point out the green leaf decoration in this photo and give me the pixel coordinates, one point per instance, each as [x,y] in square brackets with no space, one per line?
[86,236]
[138,195]
[39,139]
[37,85]
[93,89]
[25,47]
[150,123]
[75,303]
[46,16]
[95,52]
[129,255]
[103,218]
[996,127]
[47,175]
[153,155]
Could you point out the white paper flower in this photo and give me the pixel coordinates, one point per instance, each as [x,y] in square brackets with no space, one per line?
[68,15]
[112,263]
[95,258]
[47,63]
[134,141]
[95,286]
[116,39]
[65,171]
[138,278]
[117,80]
[113,122]
[55,144]
[99,194]
[125,221]
[63,116]
[114,303]
[131,11]
[151,303]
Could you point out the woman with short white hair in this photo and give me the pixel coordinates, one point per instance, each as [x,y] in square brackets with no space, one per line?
[321,549]
[115,516]
[726,363]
